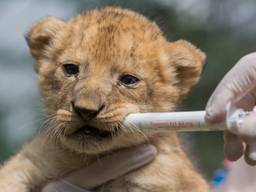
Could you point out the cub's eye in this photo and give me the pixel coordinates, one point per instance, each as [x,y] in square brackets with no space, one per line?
[71,69]
[128,80]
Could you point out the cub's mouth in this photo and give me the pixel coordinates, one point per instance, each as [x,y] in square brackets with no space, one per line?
[91,131]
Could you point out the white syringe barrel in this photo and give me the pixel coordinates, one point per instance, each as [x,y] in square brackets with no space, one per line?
[173,121]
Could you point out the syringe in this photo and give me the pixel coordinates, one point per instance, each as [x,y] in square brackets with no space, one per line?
[186,121]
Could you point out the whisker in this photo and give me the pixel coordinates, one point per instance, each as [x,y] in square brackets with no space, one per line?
[46,124]
[67,116]
[51,128]
[131,129]
[141,132]
[110,114]
[137,130]
[123,128]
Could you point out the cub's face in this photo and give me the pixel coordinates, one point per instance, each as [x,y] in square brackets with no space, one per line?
[104,64]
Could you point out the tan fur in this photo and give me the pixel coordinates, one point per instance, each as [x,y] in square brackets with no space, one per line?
[106,43]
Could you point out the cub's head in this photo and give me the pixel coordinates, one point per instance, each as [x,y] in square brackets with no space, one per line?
[102,65]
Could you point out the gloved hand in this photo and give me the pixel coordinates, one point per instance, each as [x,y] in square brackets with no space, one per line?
[104,170]
[239,87]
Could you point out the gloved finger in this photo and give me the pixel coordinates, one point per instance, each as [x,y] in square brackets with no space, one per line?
[247,130]
[250,153]
[233,146]
[62,186]
[246,100]
[237,83]
[112,166]
[247,133]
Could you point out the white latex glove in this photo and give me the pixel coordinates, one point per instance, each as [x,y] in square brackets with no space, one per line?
[104,170]
[239,87]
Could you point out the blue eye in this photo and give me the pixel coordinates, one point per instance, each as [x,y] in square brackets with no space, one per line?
[128,80]
[71,69]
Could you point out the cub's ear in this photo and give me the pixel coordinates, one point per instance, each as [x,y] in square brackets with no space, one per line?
[41,35]
[188,62]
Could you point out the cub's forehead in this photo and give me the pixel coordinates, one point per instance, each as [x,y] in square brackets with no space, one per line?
[109,35]
[112,20]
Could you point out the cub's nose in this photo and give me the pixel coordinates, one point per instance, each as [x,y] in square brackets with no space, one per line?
[87,112]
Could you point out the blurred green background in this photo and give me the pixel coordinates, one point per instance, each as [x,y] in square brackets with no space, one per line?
[225,30]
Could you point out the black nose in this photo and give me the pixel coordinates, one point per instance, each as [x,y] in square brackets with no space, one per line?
[87,113]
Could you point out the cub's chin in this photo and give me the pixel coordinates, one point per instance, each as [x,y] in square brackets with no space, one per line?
[94,140]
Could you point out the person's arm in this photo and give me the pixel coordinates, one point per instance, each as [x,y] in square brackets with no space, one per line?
[239,87]
[104,170]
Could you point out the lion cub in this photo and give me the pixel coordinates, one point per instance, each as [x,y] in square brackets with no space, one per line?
[93,71]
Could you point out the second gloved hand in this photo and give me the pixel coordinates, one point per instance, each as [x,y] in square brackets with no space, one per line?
[239,87]
[104,170]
